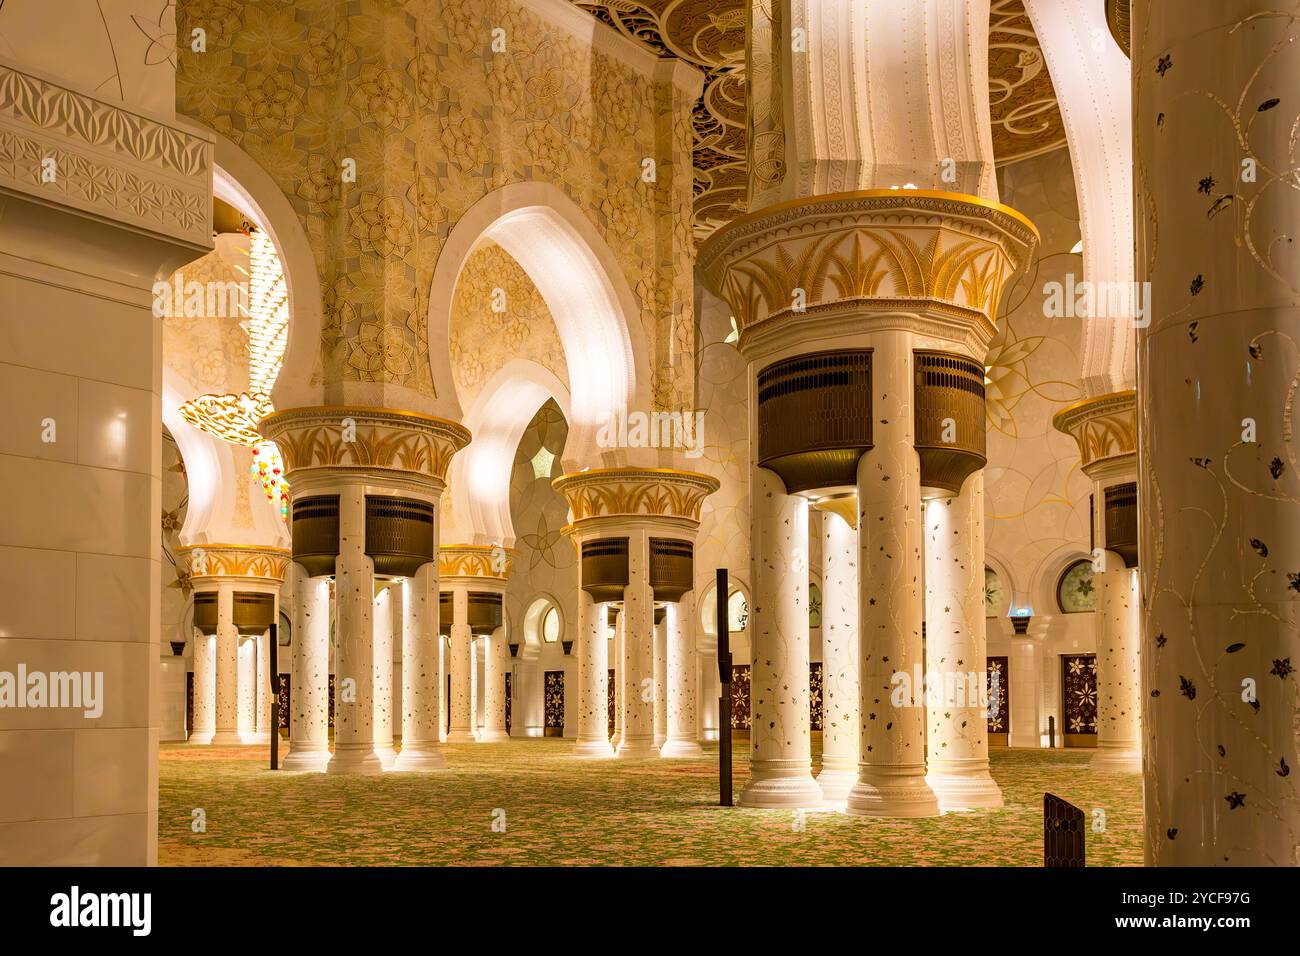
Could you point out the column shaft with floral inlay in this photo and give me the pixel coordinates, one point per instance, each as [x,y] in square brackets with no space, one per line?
[1215,115]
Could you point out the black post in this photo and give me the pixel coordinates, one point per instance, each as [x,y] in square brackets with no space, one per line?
[724,700]
[275,695]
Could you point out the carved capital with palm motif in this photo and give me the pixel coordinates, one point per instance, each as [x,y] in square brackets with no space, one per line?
[1105,428]
[484,561]
[933,262]
[619,495]
[373,441]
[252,567]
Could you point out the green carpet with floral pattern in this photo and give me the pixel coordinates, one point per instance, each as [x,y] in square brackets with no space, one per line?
[552,809]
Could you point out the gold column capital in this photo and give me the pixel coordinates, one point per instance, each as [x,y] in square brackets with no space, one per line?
[247,565]
[1104,427]
[628,494]
[407,444]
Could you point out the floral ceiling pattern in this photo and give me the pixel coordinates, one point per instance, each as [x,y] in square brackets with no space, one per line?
[710,35]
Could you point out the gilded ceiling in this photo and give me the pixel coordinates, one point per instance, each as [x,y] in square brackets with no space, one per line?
[710,34]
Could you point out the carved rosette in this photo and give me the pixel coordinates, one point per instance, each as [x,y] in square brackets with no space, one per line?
[1105,428]
[946,257]
[251,566]
[405,444]
[614,495]
[484,561]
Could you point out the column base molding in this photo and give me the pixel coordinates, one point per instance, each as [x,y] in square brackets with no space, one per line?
[634,748]
[836,784]
[959,791]
[492,736]
[201,737]
[262,737]
[903,795]
[306,759]
[419,758]
[679,749]
[461,737]
[387,755]
[599,748]
[781,785]
[1116,759]
[226,738]
[360,760]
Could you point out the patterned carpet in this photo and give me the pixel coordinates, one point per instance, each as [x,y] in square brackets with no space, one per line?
[559,811]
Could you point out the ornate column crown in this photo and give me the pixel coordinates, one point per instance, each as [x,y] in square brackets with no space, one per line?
[623,493]
[946,255]
[249,563]
[1105,428]
[408,443]
[475,561]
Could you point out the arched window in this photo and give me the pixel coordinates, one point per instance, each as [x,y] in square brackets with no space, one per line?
[737,611]
[993,601]
[1074,591]
[543,623]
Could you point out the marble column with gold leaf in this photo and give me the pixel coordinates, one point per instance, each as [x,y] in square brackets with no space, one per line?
[476,575]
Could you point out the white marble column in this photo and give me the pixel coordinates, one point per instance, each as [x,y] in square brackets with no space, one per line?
[354,656]
[421,687]
[956,651]
[593,679]
[309,673]
[891,770]
[839,658]
[1119,678]
[683,684]
[620,620]
[495,667]
[706,663]
[381,620]
[637,679]
[205,688]
[780,736]
[460,661]
[661,678]
[247,689]
[226,667]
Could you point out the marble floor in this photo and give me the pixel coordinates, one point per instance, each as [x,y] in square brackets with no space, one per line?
[557,810]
